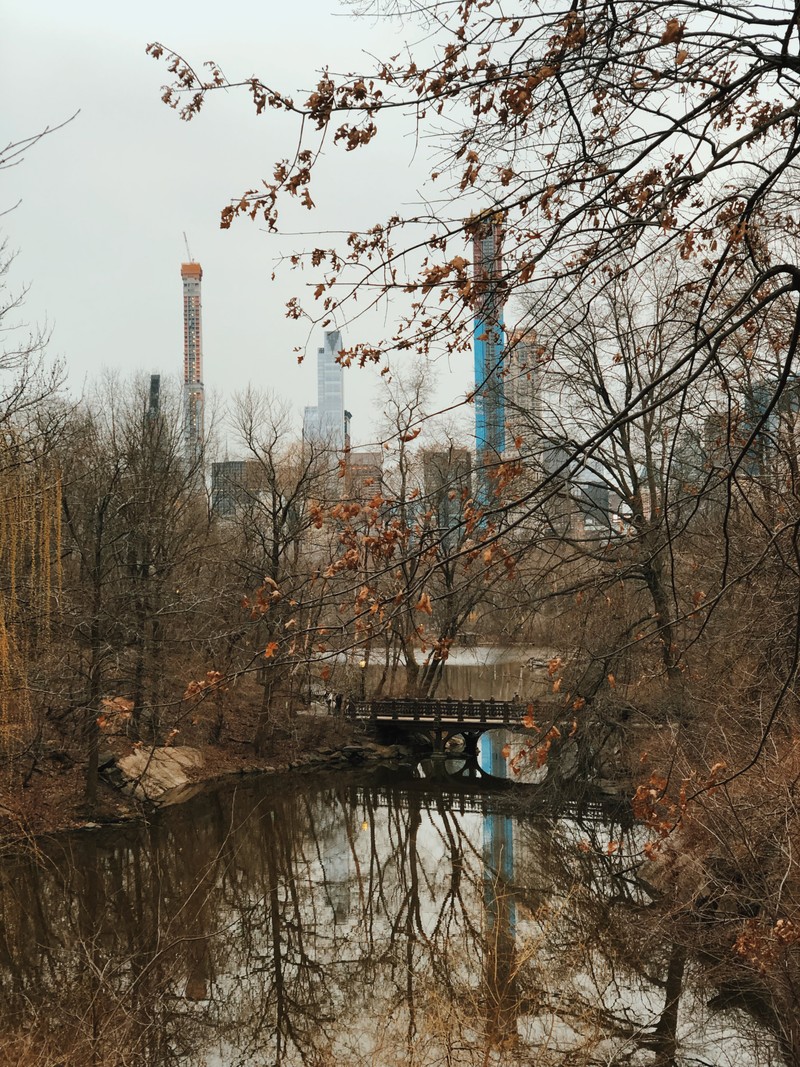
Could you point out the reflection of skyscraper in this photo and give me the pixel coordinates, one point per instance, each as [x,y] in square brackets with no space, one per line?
[325,422]
[498,833]
[192,274]
[500,963]
[334,852]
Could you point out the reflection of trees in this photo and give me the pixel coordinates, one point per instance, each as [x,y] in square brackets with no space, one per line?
[340,924]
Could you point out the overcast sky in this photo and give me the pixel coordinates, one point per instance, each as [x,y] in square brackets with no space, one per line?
[103,203]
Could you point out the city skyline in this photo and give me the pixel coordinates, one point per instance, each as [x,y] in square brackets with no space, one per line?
[117,225]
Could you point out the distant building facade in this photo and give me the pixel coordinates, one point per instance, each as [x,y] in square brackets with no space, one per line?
[757,426]
[447,485]
[363,475]
[233,483]
[593,501]
[523,393]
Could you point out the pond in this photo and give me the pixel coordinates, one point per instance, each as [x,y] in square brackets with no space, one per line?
[479,672]
[402,916]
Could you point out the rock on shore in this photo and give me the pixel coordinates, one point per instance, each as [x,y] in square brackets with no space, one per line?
[149,773]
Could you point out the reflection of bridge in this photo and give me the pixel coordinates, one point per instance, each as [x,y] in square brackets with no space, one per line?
[432,795]
[443,719]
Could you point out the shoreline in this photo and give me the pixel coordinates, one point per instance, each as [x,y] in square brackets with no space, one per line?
[51,800]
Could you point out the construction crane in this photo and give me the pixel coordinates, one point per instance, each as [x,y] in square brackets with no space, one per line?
[188,250]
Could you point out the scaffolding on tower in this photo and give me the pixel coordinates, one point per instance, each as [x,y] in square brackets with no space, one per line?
[193,398]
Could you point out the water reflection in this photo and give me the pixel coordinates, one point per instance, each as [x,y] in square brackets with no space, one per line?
[503,757]
[358,920]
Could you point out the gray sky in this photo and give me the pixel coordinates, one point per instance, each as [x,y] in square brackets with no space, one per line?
[104,201]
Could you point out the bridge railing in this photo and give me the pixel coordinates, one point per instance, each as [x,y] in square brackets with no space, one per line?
[405,709]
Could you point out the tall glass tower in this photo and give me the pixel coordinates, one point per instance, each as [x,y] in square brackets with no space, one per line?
[490,430]
[325,422]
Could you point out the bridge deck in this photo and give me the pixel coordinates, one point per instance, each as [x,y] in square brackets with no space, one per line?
[476,714]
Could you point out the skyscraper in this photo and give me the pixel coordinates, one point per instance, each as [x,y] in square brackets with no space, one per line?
[154,397]
[522,386]
[325,422]
[490,432]
[191,274]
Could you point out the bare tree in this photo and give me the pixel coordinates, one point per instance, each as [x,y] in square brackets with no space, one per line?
[30,420]
[133,529]
[279,551]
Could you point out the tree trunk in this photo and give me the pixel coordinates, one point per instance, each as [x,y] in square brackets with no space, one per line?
[264,726]
[412,668]
[95,657]
[667,1028]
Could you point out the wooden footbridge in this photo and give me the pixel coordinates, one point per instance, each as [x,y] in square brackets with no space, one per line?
[444,719]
